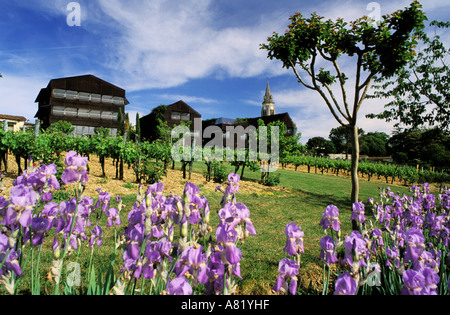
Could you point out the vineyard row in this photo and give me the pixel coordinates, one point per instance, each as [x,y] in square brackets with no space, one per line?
[47,148]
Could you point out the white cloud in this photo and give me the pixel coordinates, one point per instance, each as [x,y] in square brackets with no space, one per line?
[161,44]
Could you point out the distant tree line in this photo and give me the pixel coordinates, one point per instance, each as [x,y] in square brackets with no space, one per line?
[423,147]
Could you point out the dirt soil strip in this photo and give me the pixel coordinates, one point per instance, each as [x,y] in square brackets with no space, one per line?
[173,183]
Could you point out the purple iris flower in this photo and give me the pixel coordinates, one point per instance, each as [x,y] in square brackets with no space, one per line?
[415,244]
[294,241]
[345,285]
[67,210]
[234,178]
[413,282]
[393,256]
[96,234]
[76,168]
[243,214]
[328,253]
[164,248]
[22,200]
[228,213]
[227,236]
[113,217]
[156,188]
[287,272]
[153,257]
[104,198]
[355,249]
[157,231]
[191,189]
[231,190]
[11,263]
[358,212]
[420,282]
[39,225]
[179,286]
[193,260]
[215,271]
[135,235]
[49,172]
[56,248]
[195,216]
[3,204]
[330,218]
[4,242]
[429,202]
[377,239]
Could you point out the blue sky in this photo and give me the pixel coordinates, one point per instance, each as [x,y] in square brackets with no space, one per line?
[204,52]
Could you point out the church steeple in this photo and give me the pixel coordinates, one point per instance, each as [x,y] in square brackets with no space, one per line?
[268,108]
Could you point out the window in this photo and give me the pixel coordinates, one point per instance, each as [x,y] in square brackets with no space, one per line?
[89,130]
[185,116]
[57,93]
[95,114]
[113,132]
[78,131]
[71,95]
[107,115]
[118,100]
[71,112]
[175,116]
[83,113]
[97,98]
[115,116]
[85,97]
[107,99]
[58,110]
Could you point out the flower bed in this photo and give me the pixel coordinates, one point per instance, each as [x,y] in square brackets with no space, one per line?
[167,245]
[163,262]
[402,249]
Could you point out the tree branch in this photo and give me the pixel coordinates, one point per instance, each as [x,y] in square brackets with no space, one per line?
[342,84]
[347,117]
[300,79]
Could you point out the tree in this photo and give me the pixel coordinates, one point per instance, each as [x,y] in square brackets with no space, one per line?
[341,137]
[424,147]
[378,51]
[420,92]
[320,146]
[374,143]
[62,126]
[138,128]
[156,127]
[120,123]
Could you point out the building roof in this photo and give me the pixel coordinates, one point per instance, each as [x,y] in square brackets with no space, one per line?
[284,117]
[12,117]
[84,83]
[180,104]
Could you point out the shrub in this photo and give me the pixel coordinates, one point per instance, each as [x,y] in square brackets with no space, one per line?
[152,172]
[271,180]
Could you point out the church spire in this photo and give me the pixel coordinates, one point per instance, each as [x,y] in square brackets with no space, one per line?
[268,104]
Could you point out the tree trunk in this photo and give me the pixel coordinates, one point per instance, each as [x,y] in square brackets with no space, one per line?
[354,169]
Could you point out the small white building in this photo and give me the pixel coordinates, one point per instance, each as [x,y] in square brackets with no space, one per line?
[15,123]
